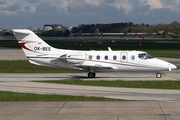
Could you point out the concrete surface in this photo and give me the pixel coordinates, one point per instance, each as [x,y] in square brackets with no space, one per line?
[135,110]
[12,54]
[78,90]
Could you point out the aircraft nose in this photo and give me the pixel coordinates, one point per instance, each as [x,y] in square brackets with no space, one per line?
[171,66]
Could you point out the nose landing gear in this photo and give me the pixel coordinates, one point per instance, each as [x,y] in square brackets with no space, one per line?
[158,75]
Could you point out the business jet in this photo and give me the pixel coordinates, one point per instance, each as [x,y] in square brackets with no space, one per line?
[40,53]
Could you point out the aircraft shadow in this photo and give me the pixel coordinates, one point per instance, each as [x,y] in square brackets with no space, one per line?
[85,77]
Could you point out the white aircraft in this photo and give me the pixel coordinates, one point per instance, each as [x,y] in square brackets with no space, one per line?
[40,53]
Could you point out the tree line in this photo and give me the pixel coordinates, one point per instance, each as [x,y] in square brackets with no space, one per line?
[129,27]
[53,33]
[99,29]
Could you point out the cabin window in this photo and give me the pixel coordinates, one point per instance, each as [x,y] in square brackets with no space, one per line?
[114,57]
[90,57]
[98,57]
[106,57]
[124,57]
[145,56]
[132,57]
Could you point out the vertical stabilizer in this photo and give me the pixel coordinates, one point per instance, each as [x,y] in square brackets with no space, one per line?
[31,44]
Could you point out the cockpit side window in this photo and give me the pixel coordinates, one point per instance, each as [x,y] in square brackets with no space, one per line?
[145,56]
[142,56]
[148,56]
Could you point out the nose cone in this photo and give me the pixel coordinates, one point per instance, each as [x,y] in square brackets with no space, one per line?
[171,66]
[164,65]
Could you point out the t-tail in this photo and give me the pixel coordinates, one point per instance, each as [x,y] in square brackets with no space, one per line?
[31,44]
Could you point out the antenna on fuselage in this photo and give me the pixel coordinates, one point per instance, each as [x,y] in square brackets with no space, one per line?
[109,49]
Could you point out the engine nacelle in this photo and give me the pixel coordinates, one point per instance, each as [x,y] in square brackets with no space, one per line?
[75,61]
[78,58]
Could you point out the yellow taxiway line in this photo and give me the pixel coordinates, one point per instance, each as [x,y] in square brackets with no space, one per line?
[162,75]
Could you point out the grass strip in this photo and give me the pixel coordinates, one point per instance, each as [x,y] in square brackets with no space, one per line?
[14,96]
[122,83]
[23,66]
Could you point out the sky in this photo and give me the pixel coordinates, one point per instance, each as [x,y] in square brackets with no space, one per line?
[36,13]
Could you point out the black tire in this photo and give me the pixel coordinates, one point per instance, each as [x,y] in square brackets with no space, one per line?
[158,75]
[91,75]
[94,75]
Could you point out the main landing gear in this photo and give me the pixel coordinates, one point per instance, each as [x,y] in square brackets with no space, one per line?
[158,75]
[91,75]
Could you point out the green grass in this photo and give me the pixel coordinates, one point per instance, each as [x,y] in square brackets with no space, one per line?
[121,83]
[14,96]
[23,66]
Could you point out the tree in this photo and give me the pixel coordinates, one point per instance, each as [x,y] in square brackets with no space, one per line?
[101,33]
[165,34]
[127,28]
[80,33]
[77,34]
[97,32]
[67,33]
[125,32]
[130,30]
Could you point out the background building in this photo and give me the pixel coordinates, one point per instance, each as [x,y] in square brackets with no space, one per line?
[48,27]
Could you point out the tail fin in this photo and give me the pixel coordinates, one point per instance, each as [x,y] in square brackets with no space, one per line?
[31,44]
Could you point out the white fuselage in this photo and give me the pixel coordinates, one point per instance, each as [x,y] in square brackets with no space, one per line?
[104,60]
[40,53]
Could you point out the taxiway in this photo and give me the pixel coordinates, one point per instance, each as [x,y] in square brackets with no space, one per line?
[173,75]
[134,110]
[98,91]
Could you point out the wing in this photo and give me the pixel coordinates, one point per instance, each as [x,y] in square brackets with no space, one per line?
[95,66]
[87,67]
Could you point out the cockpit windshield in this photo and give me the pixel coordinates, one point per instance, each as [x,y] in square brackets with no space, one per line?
[145,56]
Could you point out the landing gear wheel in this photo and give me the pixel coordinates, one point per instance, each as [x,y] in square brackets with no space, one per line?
[158,75]
[91,75]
